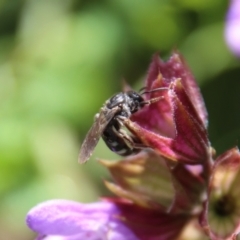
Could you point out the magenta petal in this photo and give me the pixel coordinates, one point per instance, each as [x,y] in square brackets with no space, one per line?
[176,125]
[151,224]
[72,220]
[162,145]
[190,144]
[157,116]
[191,139]
[190,86]
[153,71]
[176,68]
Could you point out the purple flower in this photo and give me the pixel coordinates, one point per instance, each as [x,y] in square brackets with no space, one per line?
[232,29]
[111,219]
[62,219]
[173,185]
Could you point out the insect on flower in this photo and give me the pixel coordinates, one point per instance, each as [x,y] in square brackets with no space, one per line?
[108,123]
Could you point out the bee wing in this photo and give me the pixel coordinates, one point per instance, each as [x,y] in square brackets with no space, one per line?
[95,132]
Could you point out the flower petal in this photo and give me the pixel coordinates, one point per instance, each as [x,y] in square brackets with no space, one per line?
[193,232]
[191,136]
[90,236]
[161,145]
[71,219]
[146,176]
[62,217]
[175,68]
[190,86]
[188,187]
[150,224]
[157,116]
[190,144]
[221,216]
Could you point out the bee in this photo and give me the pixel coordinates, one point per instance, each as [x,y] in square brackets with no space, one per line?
[108,123]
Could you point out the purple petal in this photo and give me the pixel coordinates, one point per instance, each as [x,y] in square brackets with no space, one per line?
[232,30]
[59,217]
[74,237]
[90,236]
[62,218]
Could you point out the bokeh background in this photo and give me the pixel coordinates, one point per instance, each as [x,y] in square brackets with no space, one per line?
[61,59]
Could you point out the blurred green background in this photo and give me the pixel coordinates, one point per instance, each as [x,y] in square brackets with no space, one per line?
[61,59]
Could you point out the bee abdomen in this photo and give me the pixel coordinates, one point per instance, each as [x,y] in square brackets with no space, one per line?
[116,143]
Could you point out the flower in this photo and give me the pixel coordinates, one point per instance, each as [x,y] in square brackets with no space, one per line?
[232,29]
[175,126]
[221,215]
[62,219]
[112,219]
[173,187]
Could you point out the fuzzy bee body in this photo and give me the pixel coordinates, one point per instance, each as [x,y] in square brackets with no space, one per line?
[116,142]
[108,123]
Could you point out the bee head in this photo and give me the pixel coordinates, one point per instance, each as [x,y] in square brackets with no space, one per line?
[135,101]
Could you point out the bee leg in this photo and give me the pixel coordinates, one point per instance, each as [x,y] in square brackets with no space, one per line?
[153,100]
[131,141]
[121,120]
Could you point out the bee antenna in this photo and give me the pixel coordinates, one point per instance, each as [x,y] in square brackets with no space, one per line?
[154,90]
[142,89]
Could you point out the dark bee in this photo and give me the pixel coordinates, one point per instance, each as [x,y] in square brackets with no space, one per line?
[108,124]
